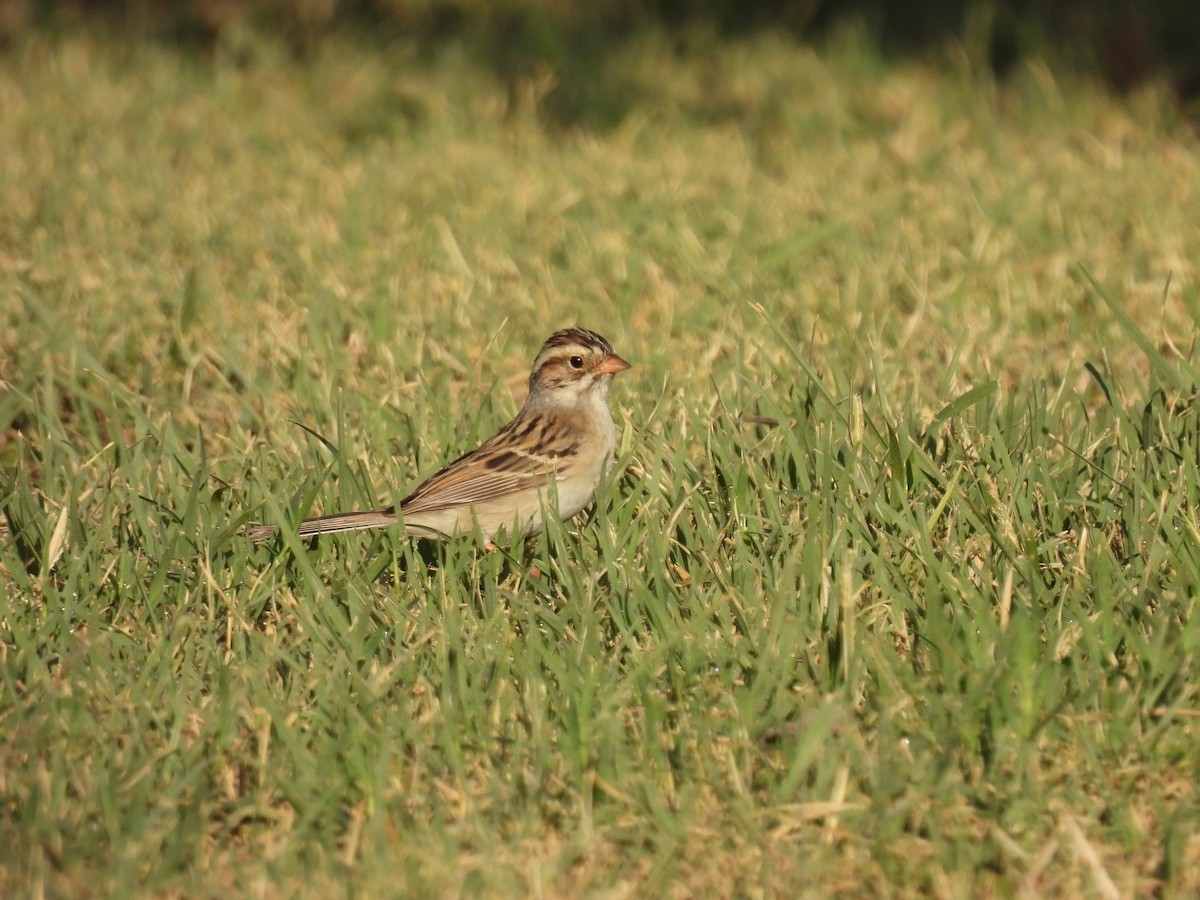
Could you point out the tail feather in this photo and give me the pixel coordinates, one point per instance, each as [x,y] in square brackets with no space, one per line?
[352,521]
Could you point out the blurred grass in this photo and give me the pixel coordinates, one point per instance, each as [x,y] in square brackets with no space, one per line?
[894,592]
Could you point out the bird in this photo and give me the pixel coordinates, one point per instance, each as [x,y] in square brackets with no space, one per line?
[552,454]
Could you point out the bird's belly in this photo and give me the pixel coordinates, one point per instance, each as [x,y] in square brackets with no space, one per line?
[574,497]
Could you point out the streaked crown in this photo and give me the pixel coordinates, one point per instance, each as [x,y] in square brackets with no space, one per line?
[583,338]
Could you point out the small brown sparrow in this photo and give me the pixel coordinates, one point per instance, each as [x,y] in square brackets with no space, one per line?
[555,450]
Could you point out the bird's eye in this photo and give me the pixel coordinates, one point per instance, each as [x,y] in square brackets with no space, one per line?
[576,362]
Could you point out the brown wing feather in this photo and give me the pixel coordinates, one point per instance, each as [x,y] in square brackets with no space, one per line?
[455,487]
[498,468]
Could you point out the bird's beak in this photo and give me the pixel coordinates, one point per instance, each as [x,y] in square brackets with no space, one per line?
[611,365]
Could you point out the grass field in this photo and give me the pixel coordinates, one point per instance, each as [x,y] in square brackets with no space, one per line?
[894,592]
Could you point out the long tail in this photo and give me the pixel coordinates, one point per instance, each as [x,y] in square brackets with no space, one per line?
[352,521]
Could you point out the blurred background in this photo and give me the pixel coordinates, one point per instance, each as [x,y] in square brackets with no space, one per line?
[1125,44]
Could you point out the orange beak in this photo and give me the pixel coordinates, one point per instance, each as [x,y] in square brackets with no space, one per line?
[611,365]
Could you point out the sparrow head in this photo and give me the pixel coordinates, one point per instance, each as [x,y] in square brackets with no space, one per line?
[572,364]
